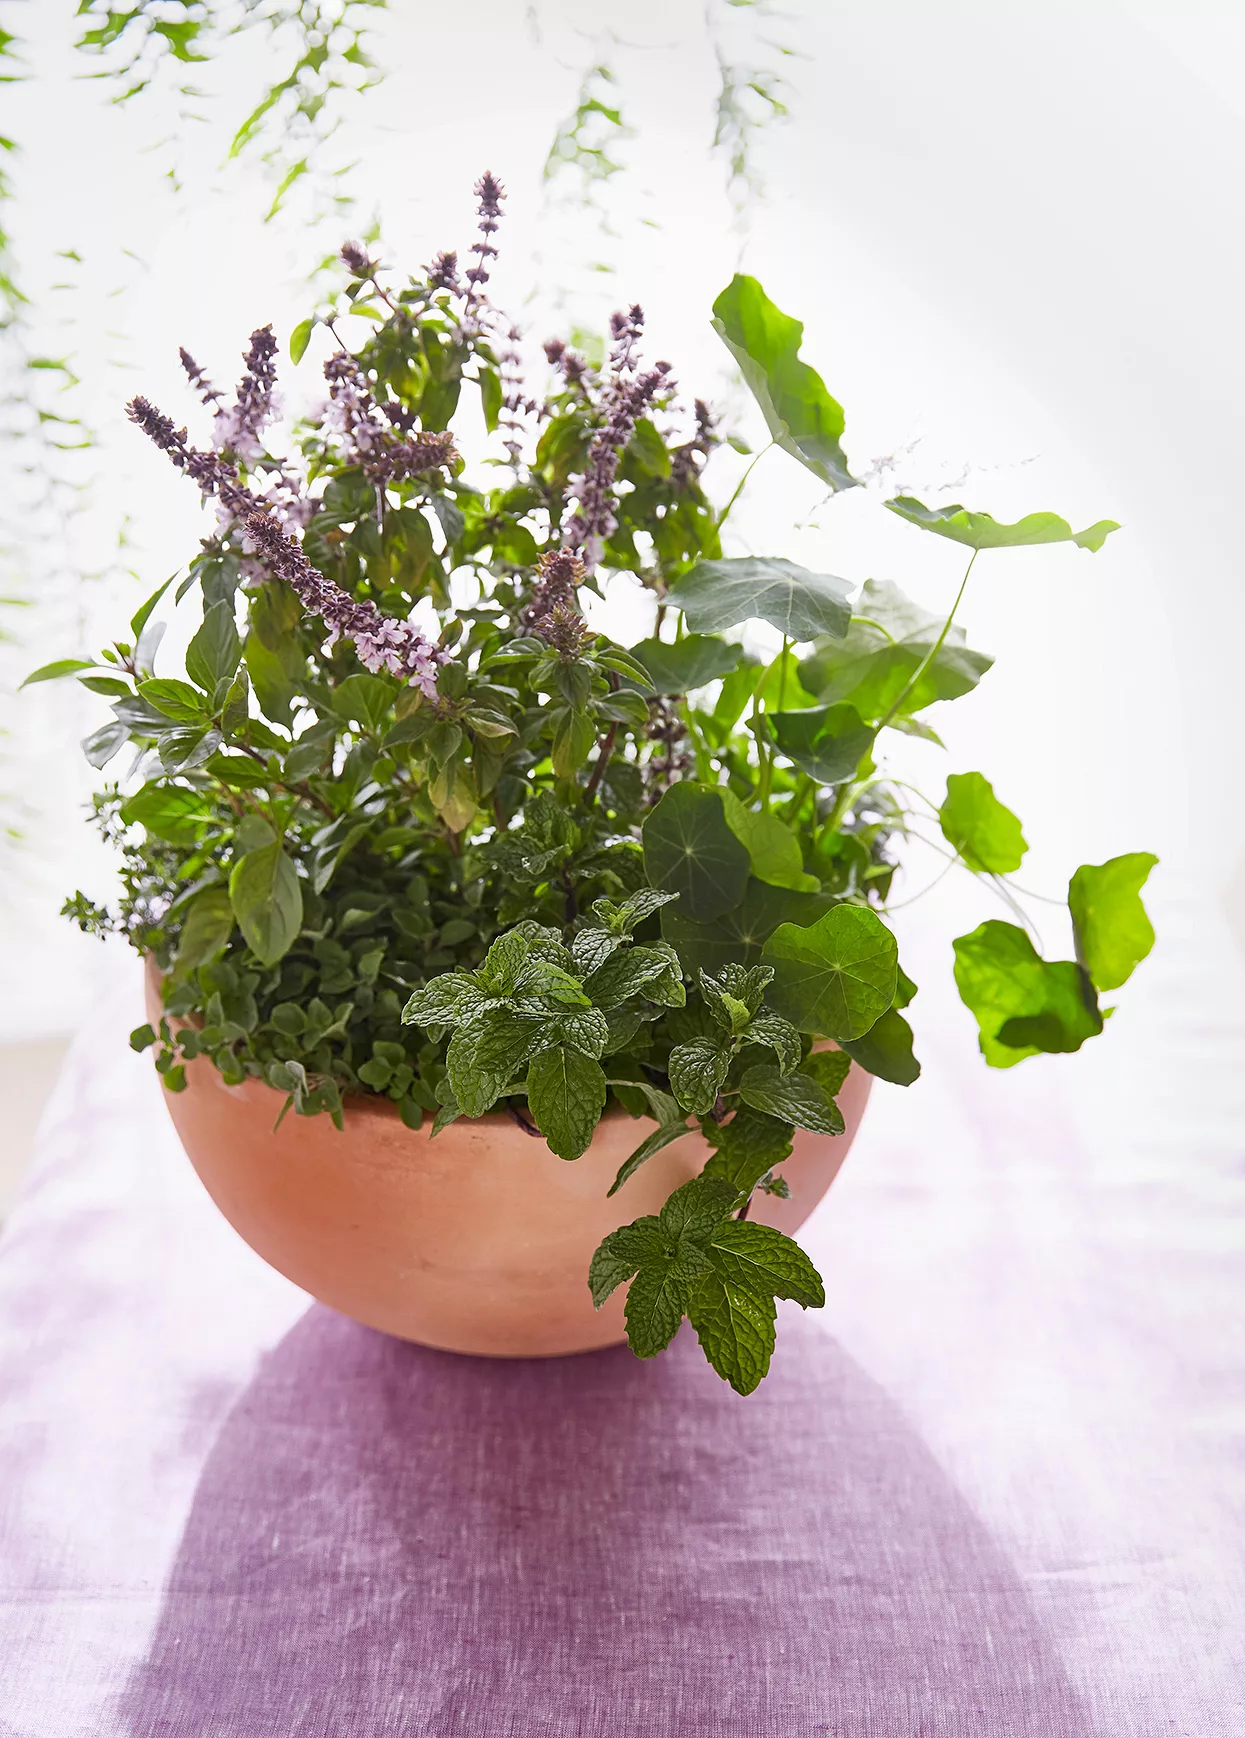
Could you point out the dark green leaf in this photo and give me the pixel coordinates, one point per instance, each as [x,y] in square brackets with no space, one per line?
[829,1068]
[888,640]
[777,1035]
[168,811]
[622,1253]
[566,1095]
[657,1301]
[1113,933]
[187,746]
[697,1070]
[267,901]
[206,929]
[1023,1003]
[446,1001]
[140,619]
[800,604]
[662,1136]
[746,1148]
[886,1050]
[766,1262]
[793,1098]
[214,652]
[690,850]
[980,531]
[827,742]
[177,700]
[737,937]
[625,974]
[366,700]
[800,413]
[976,824]
[679,666]
[735,1328]
[835,977]
[773,849]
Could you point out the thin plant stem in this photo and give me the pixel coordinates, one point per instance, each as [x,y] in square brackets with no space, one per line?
[739,487]
[933,652]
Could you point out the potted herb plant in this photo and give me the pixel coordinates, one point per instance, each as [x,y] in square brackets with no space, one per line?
[551,946]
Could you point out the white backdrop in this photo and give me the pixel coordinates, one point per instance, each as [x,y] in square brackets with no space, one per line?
[1014,235]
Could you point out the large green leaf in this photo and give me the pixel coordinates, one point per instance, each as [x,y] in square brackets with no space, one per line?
[836,977]
[206,929]
[267,901]
[735,1328]
[737,937]
[793,1098]
[1113,933]
[679,666]
[826,742]
[977,825]
[886,1050]
[171,812]
[765,1260]
[801,415]
[214,652]
[773,849]
[690,850]
[767,588]
[566,1095]
[980,531]
[887,641]
[1023,1003]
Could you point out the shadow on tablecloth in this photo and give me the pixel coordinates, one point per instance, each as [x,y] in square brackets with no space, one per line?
[388,1540]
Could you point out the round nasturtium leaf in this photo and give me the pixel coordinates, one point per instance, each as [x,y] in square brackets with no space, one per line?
[690,850]
[1113,933]
[977,825]
[800,604]
[836,977]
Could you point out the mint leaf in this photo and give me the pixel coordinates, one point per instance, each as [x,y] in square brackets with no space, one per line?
[503,963]
[591,947]
[566,1095]
[658,1300]
[697,1071]
[781,1037]
[766,1262]
[625,973]
[449,1000]
[735,1329]
[584,1029]
[976,824]
[663,1136]
[747,1147]
[794,1098]
[1113,933]
[620,1254]
[484,1056]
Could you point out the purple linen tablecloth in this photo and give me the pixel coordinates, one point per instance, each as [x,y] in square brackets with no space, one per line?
[993,1490]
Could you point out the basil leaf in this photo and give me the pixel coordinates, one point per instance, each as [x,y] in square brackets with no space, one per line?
[206,929]
[214,653]
[267,901]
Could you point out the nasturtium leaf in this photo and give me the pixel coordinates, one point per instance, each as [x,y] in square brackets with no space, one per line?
[885,1051]
[54,671]
[1113,933]
[679,666]
[837,976]
[168,811]
[980,531]
[977,825]
[793,1098]
[267,901]
[566,1095]
[826,742]
[800,604]
[206,928]
[799,412]
[697,1070]
[829,1066]
[1023,1003]
[773,849]
[888,640]
[215,650]
[735,1328]
[737,937]
[690,850]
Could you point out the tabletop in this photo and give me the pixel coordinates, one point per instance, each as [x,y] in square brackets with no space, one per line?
[993,1490]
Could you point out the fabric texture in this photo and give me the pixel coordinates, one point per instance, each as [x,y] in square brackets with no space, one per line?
[993,1490]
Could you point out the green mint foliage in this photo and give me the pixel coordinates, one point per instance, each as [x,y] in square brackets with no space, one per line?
[978,827]
[1113,933]
[501,864]
[801,416]
[980,531]
[695,1260]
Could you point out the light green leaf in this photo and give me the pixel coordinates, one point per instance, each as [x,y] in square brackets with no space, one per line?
[837,976]
[800,604]
[976,824]
[781,1037]
[980,531]
[267,901]
[679,666]
[773,849]
[300,337]
[566,1095]
[888,640]
[826,742]
[1023,1003]
[168,811]
[793,1098]
[1113,933]
[829,1068]
[738,935]
[448,1000]
[690,850]
[177,700]
[799,412]
[53,672]
[187,746]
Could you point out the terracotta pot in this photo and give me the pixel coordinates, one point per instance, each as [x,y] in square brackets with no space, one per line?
[476,1242]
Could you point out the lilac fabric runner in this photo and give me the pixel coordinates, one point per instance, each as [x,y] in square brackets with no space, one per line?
[993,1491]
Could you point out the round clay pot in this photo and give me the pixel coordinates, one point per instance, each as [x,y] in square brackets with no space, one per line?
[478,1241]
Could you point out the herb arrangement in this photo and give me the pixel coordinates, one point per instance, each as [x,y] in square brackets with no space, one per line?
[408,826]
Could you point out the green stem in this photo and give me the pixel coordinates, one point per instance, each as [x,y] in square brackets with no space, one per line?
[933,652]
[782,672]
[739,487]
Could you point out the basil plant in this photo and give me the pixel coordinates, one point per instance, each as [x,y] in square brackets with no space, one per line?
[406,825]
